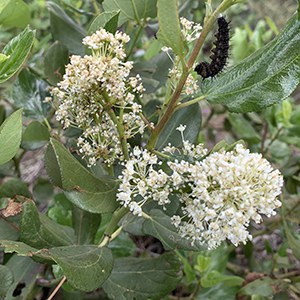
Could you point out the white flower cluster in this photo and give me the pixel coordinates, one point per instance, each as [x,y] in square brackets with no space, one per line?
[227,191]
[93,88]
[190,30]
[220,194]
[191,84]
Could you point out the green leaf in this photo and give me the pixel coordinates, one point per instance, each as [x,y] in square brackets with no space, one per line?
[218,258]
[112,24]
[143,278]
[203,263]
[14,13]
[107,20]
[43,190]
[240,44]
[61,210]
[29,93]
[23,249]
[220,291]
[265,287]
[35,136]
[65,30]
[293,239]
[96,195]
[189,116]
[8,231]
[86,267]
[86,225]
[189,272]
[169,27]
[6,279]
[17,50]
[243,129]
[14,187]
[10,136]
[154,73]
[266,77]
[131,9]
[25,272]
[56,57]
[283,114]
[123,245]
[38,231]
[160,226]
[214,277]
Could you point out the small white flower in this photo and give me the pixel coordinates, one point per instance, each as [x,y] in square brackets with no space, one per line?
[166,49]
[181,128]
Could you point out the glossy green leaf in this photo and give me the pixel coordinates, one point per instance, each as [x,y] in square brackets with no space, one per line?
[65,30]
[214,277]
[38,231]
[131,9]
[10,136]
[160,226]
[96,195]
[189,116]
[35,136]
[107,20]
[25,272]
[29,93]
[8,231]
[169,27]
[14,13]
[86,225]
[56,57]
[6,279]
[14,187]
[86,267]
[17,50]
[266,77]
[143,278]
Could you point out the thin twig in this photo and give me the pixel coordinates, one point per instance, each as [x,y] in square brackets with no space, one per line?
[57,288]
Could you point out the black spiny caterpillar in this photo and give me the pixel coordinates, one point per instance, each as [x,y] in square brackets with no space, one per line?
[220,52]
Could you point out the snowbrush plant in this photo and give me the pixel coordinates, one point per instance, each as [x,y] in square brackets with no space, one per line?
[128,166]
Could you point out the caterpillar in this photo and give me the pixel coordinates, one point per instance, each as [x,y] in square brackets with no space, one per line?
[220,52]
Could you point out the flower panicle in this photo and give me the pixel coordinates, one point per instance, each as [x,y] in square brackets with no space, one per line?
[220,193]
[92,89]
